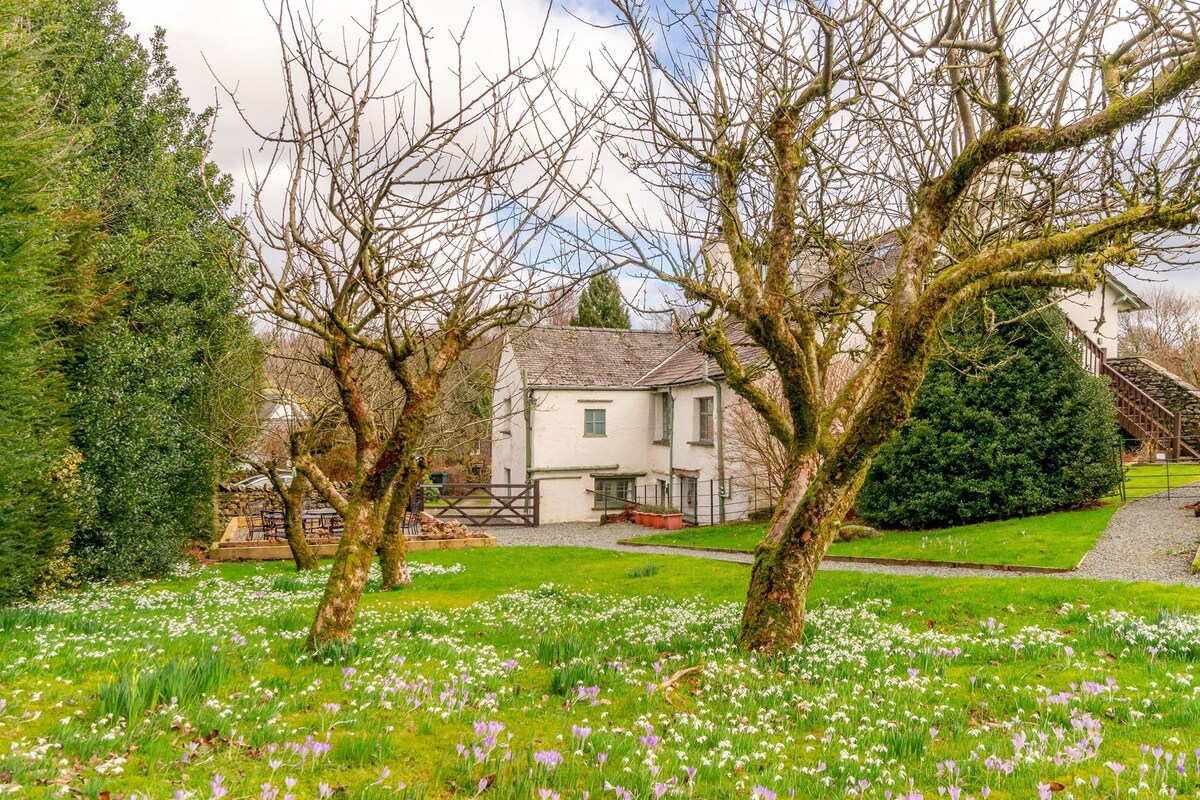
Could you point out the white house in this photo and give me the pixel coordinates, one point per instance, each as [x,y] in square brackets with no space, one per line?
[600,416]
[1096,312]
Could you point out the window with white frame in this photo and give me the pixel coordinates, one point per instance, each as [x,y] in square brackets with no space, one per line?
[704,419]
[615,490]
[594,422]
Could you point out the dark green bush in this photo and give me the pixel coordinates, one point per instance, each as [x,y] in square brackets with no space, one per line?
[36,465]
[143,370]
[1007,424]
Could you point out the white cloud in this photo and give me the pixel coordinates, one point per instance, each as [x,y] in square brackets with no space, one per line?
[235,40]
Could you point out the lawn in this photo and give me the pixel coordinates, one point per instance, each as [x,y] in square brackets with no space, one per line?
[1056,540]
[520,673]
[1144,479]
[1051,540]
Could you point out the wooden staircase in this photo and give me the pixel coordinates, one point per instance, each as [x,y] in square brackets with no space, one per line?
[1138,414]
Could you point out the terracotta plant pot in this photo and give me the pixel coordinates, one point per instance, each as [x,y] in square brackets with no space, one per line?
[674,522]
[658,520]
[639,517]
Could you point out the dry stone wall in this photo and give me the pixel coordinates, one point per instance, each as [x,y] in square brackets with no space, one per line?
[1172,391]
[235,501]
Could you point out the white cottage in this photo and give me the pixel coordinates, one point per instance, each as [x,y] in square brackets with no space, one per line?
[600,417]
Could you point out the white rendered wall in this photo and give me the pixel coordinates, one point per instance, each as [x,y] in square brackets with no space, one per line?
[564,459]
[1097,307]
[508,421]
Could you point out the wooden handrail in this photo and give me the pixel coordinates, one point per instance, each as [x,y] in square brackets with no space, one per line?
[1138,412]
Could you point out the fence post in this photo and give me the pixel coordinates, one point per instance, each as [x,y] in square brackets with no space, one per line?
[1121,468]
[537,504]
[711,516]
[1167,469]
[1177,442]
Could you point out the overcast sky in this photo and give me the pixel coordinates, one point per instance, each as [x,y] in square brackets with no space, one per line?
[234,39]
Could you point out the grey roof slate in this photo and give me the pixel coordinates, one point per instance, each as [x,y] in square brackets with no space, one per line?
[688,365]
[590,356]
[618,358]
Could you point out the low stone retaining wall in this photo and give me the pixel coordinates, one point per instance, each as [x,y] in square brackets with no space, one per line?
[258,551]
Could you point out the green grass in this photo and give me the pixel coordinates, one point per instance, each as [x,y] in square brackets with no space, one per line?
[151,688]
[1145,479]
[1051,540]
[1057,540]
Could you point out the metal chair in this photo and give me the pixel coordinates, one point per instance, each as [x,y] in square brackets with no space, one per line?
[412,518]
[272,524]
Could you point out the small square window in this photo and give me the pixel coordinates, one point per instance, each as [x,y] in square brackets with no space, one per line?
[594,422]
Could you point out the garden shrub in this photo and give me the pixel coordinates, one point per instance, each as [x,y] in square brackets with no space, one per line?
[1006,424]
[36,464]
[144,369]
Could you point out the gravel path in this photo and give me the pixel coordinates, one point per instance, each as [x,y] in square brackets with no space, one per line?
[1150,539]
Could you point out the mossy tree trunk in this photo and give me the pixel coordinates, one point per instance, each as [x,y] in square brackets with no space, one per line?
[293,522]
[291,497]
[827,473]
[338,608]
[383,466]
[392,548]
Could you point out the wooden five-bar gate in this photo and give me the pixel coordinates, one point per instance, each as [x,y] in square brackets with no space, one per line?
[480,504]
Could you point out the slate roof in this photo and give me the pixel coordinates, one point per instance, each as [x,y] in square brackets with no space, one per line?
[617,358]
[687,364]
[590,356]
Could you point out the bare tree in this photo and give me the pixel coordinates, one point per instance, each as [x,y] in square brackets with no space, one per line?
[305,426]
[834,179]
[752,450]
[1167,333]
[420,198]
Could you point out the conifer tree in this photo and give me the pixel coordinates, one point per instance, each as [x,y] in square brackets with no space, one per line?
[35,523]
[600,304]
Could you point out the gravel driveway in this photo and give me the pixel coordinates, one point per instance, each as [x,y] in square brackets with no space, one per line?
[1151,539]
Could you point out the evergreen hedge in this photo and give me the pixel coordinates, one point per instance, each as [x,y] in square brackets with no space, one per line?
[36,465]
[1006,424]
